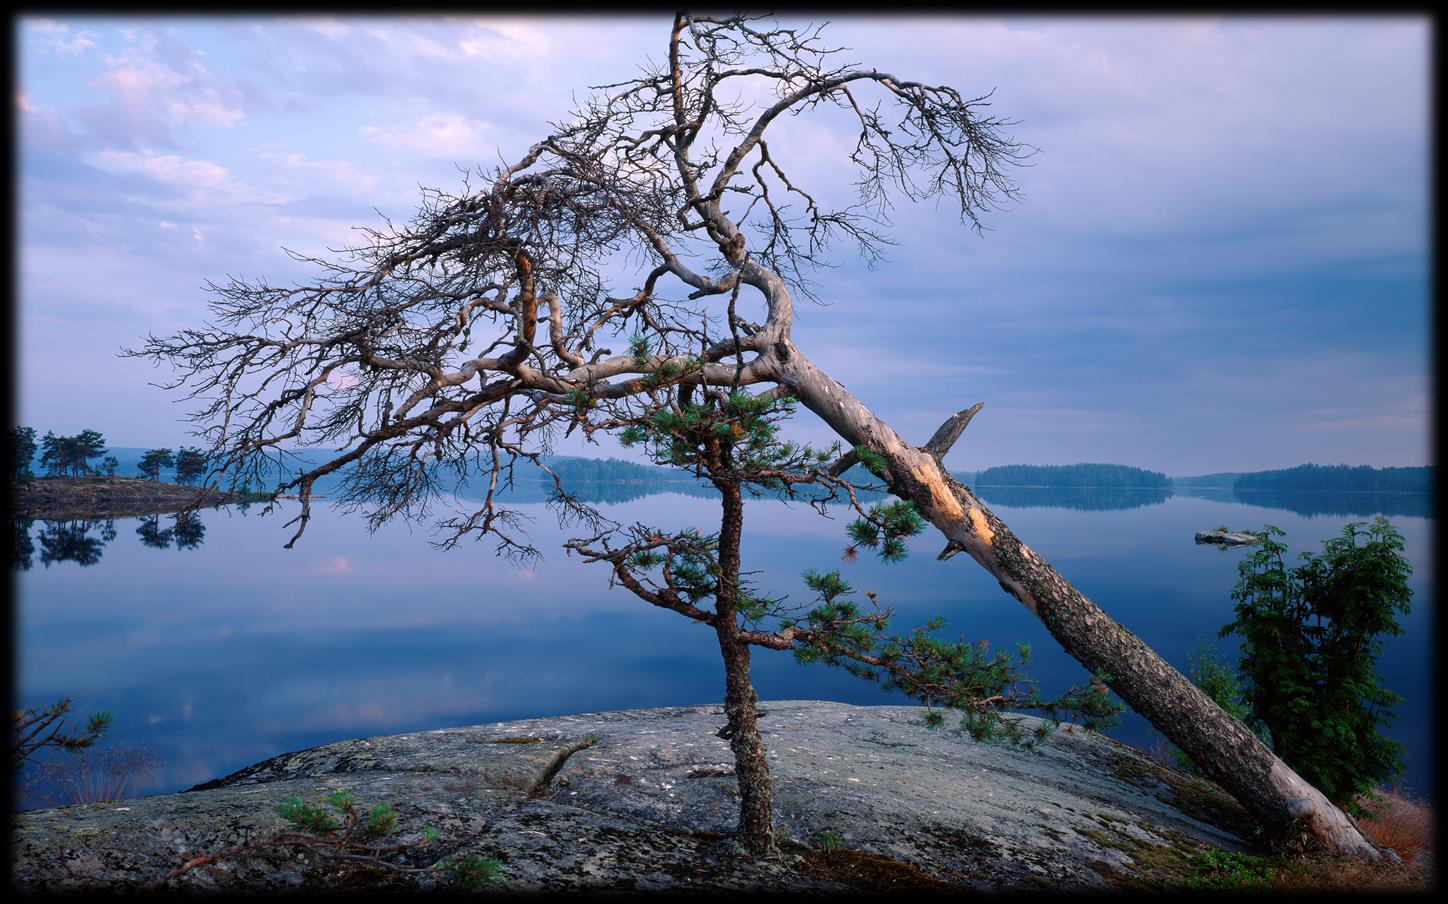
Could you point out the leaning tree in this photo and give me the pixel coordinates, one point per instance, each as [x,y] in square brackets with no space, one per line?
[465,341]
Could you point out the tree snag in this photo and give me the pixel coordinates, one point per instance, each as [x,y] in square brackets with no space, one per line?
[419,354]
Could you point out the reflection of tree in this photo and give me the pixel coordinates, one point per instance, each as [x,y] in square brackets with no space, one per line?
[1082,498]
[72,541]
[189,531]
[96,775]
[23,550]
[151,533]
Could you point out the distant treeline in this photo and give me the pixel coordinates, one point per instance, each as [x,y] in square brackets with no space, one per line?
[1340,478]
[607,470]
[1225,480]
[1077,475]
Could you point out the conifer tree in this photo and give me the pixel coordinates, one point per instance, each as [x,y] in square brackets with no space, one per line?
[730,439]
[153,461]
[22,451]
[69,456]
[190,464]
[1311,637]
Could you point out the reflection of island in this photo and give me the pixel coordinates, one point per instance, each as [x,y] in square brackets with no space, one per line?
[1320,502]
[185,531]
[72,541]
[151,533]
[591,481]
[1308,502]
[1082,498]
[22,551]
[524,492]
[81,540]
[188,530]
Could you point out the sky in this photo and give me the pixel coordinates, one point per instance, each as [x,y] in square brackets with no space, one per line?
[1218,262]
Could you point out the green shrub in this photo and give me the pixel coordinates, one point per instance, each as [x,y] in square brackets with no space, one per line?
[1219,870]
[1311,636]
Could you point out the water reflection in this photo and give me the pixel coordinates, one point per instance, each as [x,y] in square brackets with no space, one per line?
[151,533]
[101,774]
[527,490]
[22,550]
[72,541]
[242,650]
[1307,502]
[1321,502]
[1084,499]
[188,531]
[184,532]
[82,540]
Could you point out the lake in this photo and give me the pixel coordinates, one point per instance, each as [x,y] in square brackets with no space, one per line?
[216,648]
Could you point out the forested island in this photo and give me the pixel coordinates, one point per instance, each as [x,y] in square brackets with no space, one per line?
[1224,480]
[1077,475]
[1340,478]
[607,470]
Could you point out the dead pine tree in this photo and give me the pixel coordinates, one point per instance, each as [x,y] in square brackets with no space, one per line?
[729,438]
[460,343]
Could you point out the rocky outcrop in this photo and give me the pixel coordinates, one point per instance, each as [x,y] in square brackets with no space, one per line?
[74,498]
[866,798]
[1226,537]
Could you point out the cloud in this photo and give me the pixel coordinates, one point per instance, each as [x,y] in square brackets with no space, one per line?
[506,38]
[157,88]
[198,183]
[54,37]
[334,565]
[448,135]
[327,26]
[296,168]
[1212,195]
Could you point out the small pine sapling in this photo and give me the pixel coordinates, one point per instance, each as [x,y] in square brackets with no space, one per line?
[731,439]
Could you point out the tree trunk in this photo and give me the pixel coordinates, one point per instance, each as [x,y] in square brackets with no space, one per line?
[751,768]
[1225,749]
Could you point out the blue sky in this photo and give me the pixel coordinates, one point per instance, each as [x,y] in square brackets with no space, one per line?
[1219,262]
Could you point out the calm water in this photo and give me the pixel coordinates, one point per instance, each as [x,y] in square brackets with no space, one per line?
[216,648]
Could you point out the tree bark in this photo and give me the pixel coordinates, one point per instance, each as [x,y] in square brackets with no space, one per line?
[751,768]
[1227,751]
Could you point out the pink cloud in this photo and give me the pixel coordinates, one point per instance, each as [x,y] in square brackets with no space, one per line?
[334,565]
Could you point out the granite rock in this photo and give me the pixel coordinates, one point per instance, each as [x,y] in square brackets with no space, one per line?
[646,799]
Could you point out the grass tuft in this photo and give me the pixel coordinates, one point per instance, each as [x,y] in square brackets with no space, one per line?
[1400,822]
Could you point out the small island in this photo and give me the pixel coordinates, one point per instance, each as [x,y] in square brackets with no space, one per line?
[70,498]
[1096,475]
[76,485]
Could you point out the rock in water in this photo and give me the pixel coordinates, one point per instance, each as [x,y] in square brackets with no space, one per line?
[1226,537]
[648,807]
